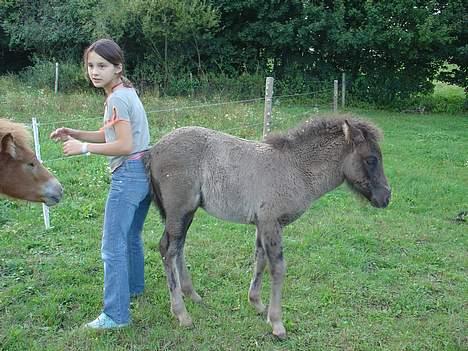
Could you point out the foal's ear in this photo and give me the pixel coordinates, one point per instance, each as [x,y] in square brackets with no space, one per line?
[8,145]
[352,134]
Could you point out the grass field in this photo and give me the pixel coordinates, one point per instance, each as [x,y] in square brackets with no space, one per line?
[358,278]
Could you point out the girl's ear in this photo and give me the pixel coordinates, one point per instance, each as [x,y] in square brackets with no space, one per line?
[119,69]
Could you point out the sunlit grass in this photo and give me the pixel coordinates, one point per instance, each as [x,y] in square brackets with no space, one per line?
[447,90]
[358,278]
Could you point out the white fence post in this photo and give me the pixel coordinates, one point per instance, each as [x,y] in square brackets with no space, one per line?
[268,104]
[335,96]
[37,147]
[56,77]
[343,89]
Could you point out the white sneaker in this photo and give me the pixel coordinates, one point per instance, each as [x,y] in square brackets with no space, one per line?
[105,322]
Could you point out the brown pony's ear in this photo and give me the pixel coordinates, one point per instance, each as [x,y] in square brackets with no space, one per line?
[8,145]
[352,134]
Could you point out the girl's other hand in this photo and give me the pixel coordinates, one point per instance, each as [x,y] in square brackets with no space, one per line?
[61,134]
[72,147]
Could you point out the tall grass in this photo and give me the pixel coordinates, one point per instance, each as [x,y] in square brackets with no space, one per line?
[358,278]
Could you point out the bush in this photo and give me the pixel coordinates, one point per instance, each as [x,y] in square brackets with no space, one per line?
[212,86]
[42,76]
[444,99]
[438,104]
[246,86]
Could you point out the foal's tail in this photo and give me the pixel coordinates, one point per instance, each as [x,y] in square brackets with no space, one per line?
[155,186]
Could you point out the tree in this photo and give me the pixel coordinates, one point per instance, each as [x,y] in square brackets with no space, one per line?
[256,36]
[392,49]
[456,53]
[51,29]
[165,35]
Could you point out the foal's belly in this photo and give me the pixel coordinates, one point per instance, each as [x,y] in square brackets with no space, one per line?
[252,212]
[233,207]
[230,217]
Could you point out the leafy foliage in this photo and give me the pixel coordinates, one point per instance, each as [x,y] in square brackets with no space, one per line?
[52,29]
[391,50]
[457,50]
[162,37]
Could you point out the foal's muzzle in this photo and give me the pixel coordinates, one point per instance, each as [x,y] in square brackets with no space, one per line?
[381,197]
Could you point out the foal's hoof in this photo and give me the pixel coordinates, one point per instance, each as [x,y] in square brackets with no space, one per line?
[185,321]
[258,305]
[280,334]
[195,297]
[279,331]
[260,308]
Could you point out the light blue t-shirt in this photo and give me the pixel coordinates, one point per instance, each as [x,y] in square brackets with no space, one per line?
[124,104]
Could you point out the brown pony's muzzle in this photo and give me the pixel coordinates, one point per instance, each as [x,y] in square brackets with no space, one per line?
[381,197]
[52,192]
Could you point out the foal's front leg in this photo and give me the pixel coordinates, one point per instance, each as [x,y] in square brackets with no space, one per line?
[272,243]
[169,247]
[256,283]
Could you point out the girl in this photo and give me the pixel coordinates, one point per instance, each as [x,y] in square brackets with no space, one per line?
[123,138]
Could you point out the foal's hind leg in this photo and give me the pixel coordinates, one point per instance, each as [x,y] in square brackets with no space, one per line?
[184,275]
[185,280]
[256,283]
[170,246]
[272,243]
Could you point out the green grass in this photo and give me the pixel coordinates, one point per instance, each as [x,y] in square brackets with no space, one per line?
[358,278]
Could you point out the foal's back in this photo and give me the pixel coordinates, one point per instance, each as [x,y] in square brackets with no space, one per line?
[231,178]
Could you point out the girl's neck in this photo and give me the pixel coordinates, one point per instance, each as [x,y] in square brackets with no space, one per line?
[115,85]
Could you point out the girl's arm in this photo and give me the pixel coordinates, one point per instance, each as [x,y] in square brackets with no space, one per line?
[123,144]
[90,136]
[83,135]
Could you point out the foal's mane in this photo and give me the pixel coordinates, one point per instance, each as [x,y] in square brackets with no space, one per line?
[315,128]
[21,135]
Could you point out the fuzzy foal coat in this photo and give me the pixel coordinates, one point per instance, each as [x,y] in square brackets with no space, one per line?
[268,184]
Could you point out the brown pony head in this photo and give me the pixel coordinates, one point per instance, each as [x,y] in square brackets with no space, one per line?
[22,176]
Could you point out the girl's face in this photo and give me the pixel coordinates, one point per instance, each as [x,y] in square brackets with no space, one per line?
[102,73]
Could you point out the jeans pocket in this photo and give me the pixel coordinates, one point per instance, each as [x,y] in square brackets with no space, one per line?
[140,189]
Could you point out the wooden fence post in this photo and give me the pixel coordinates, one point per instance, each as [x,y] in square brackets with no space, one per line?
[268,106]
[335,96]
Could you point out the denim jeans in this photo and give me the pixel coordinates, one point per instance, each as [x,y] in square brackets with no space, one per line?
[122,246]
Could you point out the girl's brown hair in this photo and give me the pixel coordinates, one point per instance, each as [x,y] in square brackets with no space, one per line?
[110,51]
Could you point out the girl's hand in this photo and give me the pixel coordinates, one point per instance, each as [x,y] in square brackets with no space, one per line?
[61,134]
[72,147]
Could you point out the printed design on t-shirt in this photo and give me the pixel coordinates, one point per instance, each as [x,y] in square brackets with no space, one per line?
[113,120]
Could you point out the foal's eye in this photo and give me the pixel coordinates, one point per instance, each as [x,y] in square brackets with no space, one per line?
[371,161]
[31,164]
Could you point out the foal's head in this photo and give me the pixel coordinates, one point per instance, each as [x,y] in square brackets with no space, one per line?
[22,174]
[363,167]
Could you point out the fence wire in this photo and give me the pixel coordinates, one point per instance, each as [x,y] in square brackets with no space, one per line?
[318,94]
[192,107]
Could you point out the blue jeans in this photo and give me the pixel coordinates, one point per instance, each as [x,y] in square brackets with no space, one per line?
[122,246]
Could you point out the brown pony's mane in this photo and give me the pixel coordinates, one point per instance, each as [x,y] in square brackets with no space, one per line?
[21,135]
[315,128]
